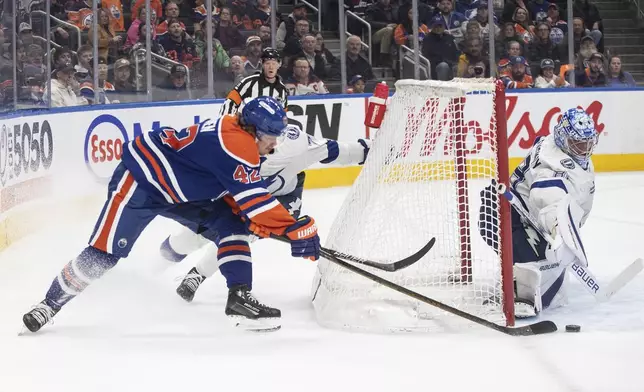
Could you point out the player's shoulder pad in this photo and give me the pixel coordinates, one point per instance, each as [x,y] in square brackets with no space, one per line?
[551,157]
[293,142]
[236,142]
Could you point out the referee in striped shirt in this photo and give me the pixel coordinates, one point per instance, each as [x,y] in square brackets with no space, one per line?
[266,83]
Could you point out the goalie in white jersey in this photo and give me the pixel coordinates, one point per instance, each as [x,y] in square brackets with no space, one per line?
[282,170]
[556,184]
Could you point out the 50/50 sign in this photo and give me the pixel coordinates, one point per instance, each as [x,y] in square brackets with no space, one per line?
[25,148]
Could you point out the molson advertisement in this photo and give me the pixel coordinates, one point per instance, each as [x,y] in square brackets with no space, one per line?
[70,150]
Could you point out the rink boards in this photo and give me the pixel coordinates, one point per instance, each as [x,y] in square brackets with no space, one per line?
[54,164]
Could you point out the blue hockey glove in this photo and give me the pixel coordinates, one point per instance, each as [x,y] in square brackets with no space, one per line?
[305,241]
[366,144]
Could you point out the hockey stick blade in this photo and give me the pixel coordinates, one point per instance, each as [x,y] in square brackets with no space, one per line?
[539,328]
[621,280]
[389,267]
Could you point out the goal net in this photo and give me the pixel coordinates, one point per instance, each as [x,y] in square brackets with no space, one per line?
[439,146]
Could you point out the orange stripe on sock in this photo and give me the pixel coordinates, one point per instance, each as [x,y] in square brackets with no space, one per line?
[230,248]
[70,278]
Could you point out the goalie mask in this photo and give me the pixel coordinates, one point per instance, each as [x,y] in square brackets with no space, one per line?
[575,135]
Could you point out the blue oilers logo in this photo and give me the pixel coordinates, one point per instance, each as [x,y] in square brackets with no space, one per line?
[122,243]
[115,11]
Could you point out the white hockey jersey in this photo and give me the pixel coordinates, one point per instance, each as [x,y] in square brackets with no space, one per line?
[297,151]
[546,176]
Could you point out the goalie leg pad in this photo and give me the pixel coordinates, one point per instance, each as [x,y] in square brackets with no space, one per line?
[527,280]
[542,282]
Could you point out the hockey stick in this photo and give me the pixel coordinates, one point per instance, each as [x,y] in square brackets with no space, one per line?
[587,279]
[538,328]
[388,267]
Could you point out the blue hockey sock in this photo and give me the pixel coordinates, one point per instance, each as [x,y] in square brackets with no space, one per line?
[237,272]
[91,264]
[235,260]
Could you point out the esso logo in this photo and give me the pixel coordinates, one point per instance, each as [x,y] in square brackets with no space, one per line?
[105,150]
[104,143]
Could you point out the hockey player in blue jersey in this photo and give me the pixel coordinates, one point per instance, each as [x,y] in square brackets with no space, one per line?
[283,171]
[556,184]
[187,175]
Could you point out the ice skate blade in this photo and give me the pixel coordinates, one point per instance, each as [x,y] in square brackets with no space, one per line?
[269,324]
[23,330]
[27,319]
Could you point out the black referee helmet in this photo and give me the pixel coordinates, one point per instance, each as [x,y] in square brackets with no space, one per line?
[271,54]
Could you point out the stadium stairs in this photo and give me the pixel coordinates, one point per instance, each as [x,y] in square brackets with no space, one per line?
[624,35]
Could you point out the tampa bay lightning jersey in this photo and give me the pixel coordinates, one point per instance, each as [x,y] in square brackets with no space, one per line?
[547,175]
[209,160]
[297,151]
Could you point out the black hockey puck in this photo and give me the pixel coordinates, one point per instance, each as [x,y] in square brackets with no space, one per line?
[573,328]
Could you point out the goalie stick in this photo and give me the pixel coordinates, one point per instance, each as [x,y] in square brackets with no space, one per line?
[587,279]
[388,267]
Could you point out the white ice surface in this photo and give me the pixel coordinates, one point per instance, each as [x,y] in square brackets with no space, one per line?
[131,332]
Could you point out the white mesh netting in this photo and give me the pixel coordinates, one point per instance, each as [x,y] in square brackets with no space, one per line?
[434,153]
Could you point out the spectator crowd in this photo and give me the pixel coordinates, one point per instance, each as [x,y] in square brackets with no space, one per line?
[530,41]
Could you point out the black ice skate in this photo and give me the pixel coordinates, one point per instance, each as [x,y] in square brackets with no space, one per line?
[40,315]
[190,284]
[248,313]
